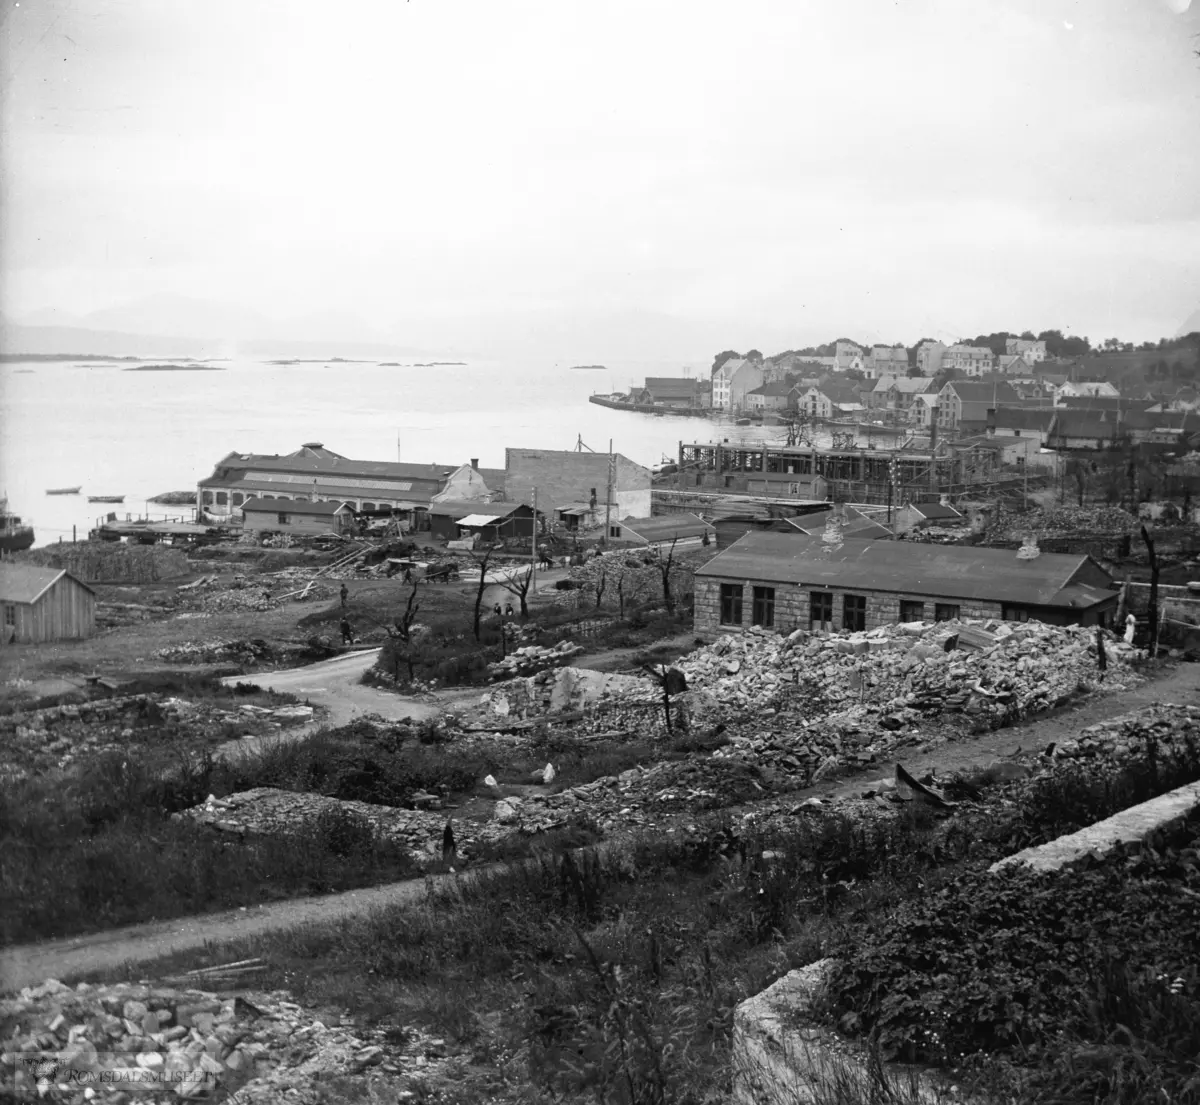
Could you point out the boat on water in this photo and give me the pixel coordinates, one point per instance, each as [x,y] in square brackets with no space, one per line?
[742,422]
[106,498]
[63,490]
[14,534]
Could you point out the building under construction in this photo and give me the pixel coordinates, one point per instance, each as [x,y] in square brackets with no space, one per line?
[855,475]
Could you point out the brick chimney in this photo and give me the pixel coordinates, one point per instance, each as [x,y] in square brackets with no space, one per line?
[475,463]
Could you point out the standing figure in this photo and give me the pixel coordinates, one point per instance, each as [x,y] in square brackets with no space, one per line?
[1130,628]
[345,593]
[1101,654]
[347,632]
[508,609]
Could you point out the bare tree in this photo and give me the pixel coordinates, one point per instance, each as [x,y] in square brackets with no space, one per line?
[401,630]
[1152,611]
[664,568]
[601,584]
[518,586]
[481,562]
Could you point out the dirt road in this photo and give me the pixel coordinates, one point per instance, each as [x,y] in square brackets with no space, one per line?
[30,964]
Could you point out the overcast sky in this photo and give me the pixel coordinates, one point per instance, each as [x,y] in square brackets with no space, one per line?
[889,169]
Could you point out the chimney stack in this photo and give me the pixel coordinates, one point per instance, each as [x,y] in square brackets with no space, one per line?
[475,463]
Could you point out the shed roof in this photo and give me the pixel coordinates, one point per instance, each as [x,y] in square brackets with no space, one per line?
[479,519]
[325,462]
[856,524]
[292,506]
[952,571]
[1025,418]
[462,508]
[935,511]
[26,583]
[668,527]
[776,387]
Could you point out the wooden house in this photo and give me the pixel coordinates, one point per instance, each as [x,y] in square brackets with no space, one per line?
[299,517]
[44,604]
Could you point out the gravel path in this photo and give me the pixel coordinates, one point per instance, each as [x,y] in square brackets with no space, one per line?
[30,964]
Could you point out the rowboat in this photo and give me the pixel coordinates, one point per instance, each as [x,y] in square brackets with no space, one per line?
[106,498]
[62,491]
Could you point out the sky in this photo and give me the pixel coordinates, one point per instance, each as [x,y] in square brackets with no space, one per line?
[777,171]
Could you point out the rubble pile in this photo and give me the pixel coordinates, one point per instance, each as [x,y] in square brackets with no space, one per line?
[1121,737]
[112,615]
[993,671]
[532,659]
[245,651]
[58,736]
[151,1044]
[267,811]
[1064,521]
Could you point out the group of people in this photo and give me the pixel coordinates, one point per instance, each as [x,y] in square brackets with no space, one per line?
[507,611]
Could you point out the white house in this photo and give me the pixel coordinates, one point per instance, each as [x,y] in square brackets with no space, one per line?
[929,357]
[829,400]
[733,381]
[970,360]
[1095,389]
[1031,352]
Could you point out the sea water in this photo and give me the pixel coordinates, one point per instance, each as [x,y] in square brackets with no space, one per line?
[137,433]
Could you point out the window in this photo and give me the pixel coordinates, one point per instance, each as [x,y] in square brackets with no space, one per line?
[222,498]
[368,506]
[10,615]
[731,604]
[945,612]
[854,613]
[208,498]
[238,498]
[763,612]
[1014,613]
[284,519]
[614,531]
[820,611]
[912,611]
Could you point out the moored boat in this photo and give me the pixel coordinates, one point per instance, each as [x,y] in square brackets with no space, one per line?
[106,498]
[14,534]
[63,490]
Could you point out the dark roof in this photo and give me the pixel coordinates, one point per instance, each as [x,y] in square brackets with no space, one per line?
[460,508]
[493,477]
[1025,418]
[671,386]
[28,582]
[417,497]
[327,463]
[1103,403]
[857,524]
[983,391]
[1085,424]
[666,527]
[291,506]
[952,571]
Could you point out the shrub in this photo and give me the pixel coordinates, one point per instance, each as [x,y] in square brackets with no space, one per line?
[344,832]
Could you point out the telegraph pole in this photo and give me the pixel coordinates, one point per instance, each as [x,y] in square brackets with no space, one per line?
[608,495]
[533,547]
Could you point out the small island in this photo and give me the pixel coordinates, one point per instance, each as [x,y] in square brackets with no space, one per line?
[175,368]
[175,498]
[588,368]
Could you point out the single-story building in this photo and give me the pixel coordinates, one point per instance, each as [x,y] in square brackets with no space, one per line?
[299,517]
[493,522]
[919,515]
[682,529]
[44,604]
[790,581]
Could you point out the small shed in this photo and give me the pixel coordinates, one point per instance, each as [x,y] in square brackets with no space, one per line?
[498,522]
[301,517]
[682,529]
[44,604]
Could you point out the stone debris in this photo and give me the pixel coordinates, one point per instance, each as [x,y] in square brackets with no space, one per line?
[532,659]
[1065,521]
[151,1044]
[267,811]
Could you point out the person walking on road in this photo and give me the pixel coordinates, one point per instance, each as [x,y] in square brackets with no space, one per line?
[347,632]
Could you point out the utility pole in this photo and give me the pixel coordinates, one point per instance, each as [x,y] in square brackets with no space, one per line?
[608,494]
[533,547]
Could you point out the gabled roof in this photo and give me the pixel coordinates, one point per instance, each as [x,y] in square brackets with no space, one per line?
[26,583]
[915,385]
[950,571]
[292,506]
[778,388]
[1085,424]
[667,527]
[321,461]
[676,387]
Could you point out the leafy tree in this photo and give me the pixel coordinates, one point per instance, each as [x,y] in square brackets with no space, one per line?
[755,356]
[1027,335]
[721,358]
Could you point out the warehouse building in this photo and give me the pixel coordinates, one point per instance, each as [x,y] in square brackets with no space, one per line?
[298,517]
[44,604]
[680,530]
[785,582]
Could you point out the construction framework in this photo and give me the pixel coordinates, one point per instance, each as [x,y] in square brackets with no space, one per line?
[860,475]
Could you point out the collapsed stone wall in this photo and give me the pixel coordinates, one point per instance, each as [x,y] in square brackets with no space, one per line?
[105,562]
